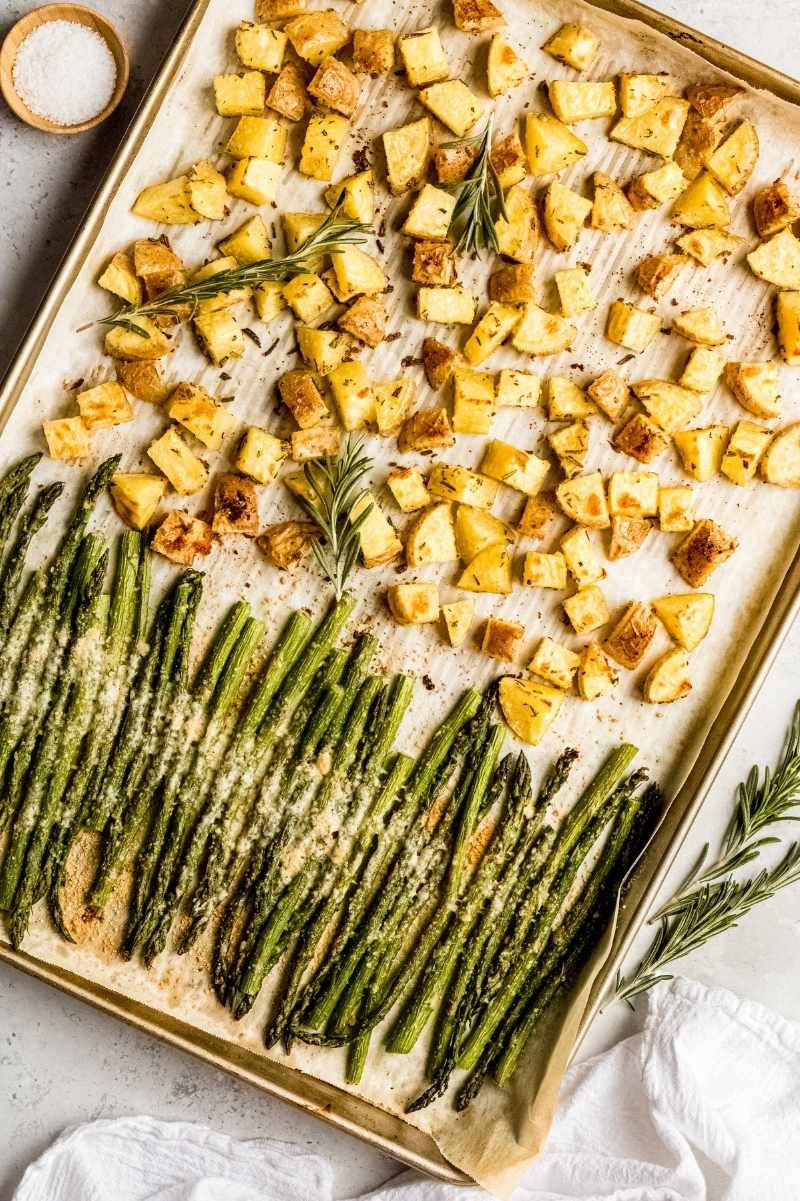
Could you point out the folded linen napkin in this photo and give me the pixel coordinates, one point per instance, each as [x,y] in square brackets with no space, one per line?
[703,1105]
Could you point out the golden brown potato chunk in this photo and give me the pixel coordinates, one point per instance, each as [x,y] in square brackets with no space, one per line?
[302,398]
[702,551]
[427,430]
[538,515]
[699,139]
[512,284]
[288,93]
[235,506]
[656,274]
[508,154]
[476,16]
[438,361]
[451,163]
[709,99]
[287,543]
[144,380]
[336,86]
[373,51]
[157,266]
[631,636]
[365,320]
[774,208]
[500,639]
[180,538]
[433,264]
[627,535]
[610,393]
[641,439]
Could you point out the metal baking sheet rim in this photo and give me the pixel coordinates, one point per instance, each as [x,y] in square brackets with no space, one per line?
[339,1108]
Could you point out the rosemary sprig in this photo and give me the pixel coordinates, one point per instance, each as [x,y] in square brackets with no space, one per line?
[336,487]
[334,233]
[480,199]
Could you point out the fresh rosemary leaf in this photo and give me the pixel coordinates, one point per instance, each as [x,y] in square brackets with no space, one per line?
[480,199]
[336,484]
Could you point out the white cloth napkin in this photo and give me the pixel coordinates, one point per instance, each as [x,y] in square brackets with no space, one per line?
[703,1105]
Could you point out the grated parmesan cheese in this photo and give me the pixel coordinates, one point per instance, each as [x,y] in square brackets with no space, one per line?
[64,72]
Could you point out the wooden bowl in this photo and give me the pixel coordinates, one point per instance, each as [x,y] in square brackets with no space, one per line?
[61,12]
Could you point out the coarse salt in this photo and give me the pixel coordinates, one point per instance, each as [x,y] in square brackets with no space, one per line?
[64,72]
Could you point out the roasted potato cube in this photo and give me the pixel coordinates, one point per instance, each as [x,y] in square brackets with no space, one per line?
[565,400]
[180,465]
[787,315]
[633,494]
[627,535]
[756,386]
[489,571]
[433,264]
[446,306]
[200,414]
[278,10]
[454,104]
[318,442]
[477,16]
[181,538]
[325,135]
[222,300]
[699,140]
[564,214]
[587,610]
[551,145]
[702,551]
[260,47]
[500,639]
[104,406]
[514,467]
[657,131]
[780,463]
[491,331]
[734,161]
[538,515]
[574,45]
[747,444]
[529,707]
[657,273]
[476,529]
[517,389]
[220,335]
[167,203]
[379,541]
[638,94]
[686,616]
[414,604]
[373,51]
[542,333]
[354,197]
[431,537]
[240,95]
[288,93]
[136,496]
[315,36]
[394,400]
[540,570]
[574,294]
[302,398]
[235,506]
[145,381]
[458,617]
[512,284]
[701,450]
[653,188]
[322,349]
[631,636]
[430,214]
[583,499]
[119,278]
[555,663]
[474,401]
[208,190]
[702,371]
[258,137]
[581,558]
[151,343]
[671,406]
[610,394]
[260,455]
[580,100]
[255,180]
[297,229]
[704,203]
[570,444]
[438,361]
[709,99]
[248,243]
[641,439]
[778,260]
[269,300]
[308,297]
[451,481]
[408,151]
[357,272]
[67,439]
[353,394]
[518,232]
[668,679]
[423,57]
[451,163]
[429,429]
[702,326]
[774,208]
[335,86]
[631,327]
[366,320]
[596,676]
[158,266]
[287,543]
[675,505]
[408,488]
[705,245]
[505,69]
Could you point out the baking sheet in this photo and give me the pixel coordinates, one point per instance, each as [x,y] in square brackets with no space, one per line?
[765,520]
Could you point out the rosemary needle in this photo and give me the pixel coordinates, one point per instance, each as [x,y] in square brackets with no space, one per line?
[336,505]
[480,199]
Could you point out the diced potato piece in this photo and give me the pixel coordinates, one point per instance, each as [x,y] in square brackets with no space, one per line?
[180,465]
[249,243]
[433,264]
[709,99]
[529,707]
[454,104]
[201,415]
[260,455]
[302,398]
[151,343]
[631,327]
[787,315]
[157,265]
[297,229]
[423,57]
[538,515]
[67,439]
[446,306]
[322,349]
[167,203]
[610,394]
[704,203]
[393,400]
[269,300]
[451,481]
[653,188]
[701,450]
[551,145]
[181,538]
[222,300]
[354,197]
[373,51]
[554,662]
[780,463]
[322,145]
[542,333]
[570,444]
[235,506]
[517,389]
[335,86]
[316,35]
[136,496]
[104,406]
[287,543]
[505,69]
[430,214]
[774,208]
[518,232]
[574,45]
[596,676]
[564,215]
[208,191]
[702,326]
[255,180]
[670,405]
[633,494]
[587,610]
[489,571]
[438,361]
[514,467]
[144,380]
[657,273]
[627,535]
[308,297]
[509,160]
[258,137]
[408,151]
[565,400]
[278,10]
[429,429]
[476,529]
[220,335]
[357,272]
[432,537]
[668,679]
[458,617]
[377,536]
[414,604]
[500,639]
[702,551]
[318,442]
[581,558]
[686,616]
[366,320]
[638,94]
[408,489]
[734,161]
[574,294]
[288,93]
[477,16]
[675,505]
[260,47]
[705,245]
[583,499]
[580,100]
[641,439]
[540,570]
[119,278]
[699,140]
[702,371]
[631,636]
[240,95]
[491,331]
[657,131]
[353,394]
[756,386]
[778,260]
[452,161]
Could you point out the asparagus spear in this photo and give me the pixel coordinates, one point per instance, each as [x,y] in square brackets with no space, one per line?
[15,563]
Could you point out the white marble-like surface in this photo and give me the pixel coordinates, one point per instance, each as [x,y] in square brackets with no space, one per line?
[60,1062]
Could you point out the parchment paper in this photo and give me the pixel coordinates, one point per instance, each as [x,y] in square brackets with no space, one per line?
[499,1134]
